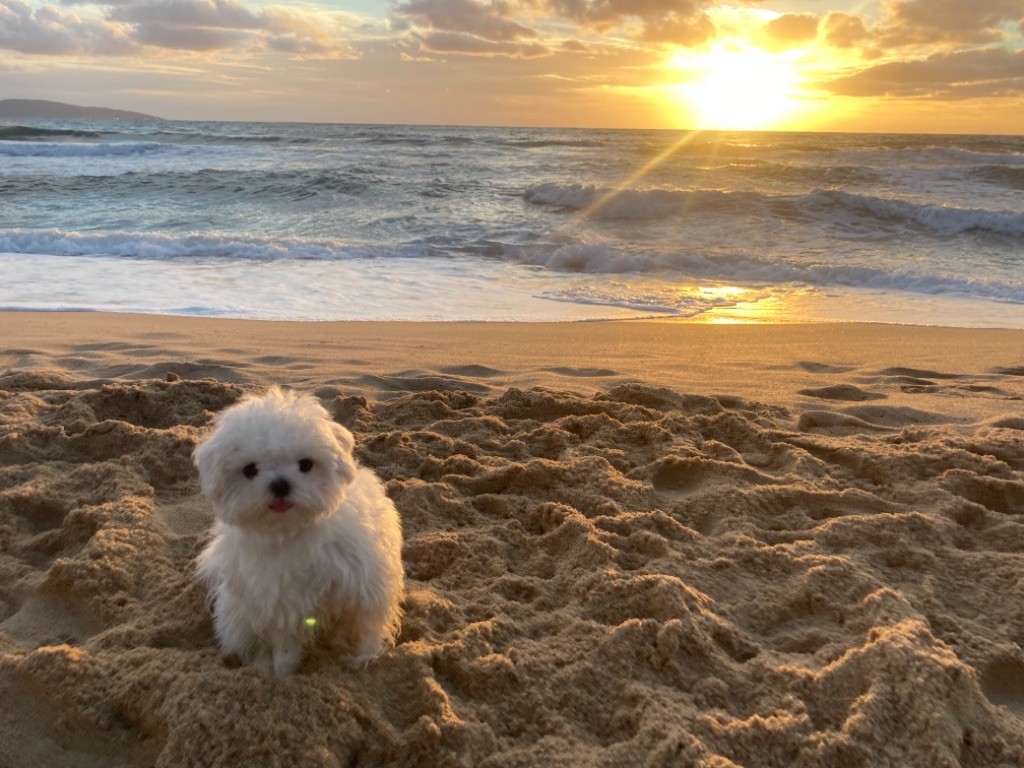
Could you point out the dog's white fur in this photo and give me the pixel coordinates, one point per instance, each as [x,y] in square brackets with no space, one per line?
[333,556]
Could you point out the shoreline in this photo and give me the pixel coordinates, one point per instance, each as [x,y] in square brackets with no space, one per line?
[703,318]
[407,290]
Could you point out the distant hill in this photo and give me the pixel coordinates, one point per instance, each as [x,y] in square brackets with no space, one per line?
[36,108]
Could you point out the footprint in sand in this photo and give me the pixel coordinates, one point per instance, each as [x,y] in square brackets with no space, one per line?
[1004,496]
[918,373]
[472,371]
[676,477]
[812,367]
[1002,682]
[898,416]
[583,373]
[415,381]
[843,392]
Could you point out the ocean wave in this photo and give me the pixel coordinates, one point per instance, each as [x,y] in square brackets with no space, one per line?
[810,174]
[297,184]
[600,258]
[214,246]
[549,143]
[221,138]
[408,141]
[220,185]
[691,147]
[973,156]
[842,150]
[935,155]
[594,258]
[415,140]
[820,205]
[30,133]
[615,203]
[75,149]
[1004,175]
[940,219]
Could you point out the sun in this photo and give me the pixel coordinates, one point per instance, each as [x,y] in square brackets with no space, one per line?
[741,88]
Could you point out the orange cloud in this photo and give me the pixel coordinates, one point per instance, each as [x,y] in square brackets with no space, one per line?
[471,45]
[947,75]
[481,20]
[926,22]
[790,30]
[844,30]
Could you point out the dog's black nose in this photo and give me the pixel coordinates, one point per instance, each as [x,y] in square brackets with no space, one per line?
[280,487]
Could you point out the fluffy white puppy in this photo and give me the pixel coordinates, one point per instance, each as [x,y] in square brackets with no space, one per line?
[306,543]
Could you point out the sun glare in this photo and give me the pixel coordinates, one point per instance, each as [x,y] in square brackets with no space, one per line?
[741,88]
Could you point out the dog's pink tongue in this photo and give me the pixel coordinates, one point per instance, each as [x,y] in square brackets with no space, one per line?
[281,505]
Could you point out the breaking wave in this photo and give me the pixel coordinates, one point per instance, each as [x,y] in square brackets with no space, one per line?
[29,133]
[820,204]
[75,149]
[599,258]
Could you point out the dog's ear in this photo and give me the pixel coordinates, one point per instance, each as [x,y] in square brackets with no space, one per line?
[344,461]
[208,458]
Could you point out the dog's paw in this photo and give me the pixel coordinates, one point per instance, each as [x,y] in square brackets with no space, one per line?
[368,647]
[287,661]
[360,661]
[262,659]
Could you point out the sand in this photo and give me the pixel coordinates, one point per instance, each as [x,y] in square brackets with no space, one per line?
[627,544]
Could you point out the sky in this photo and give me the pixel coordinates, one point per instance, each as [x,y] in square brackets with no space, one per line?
[929,66]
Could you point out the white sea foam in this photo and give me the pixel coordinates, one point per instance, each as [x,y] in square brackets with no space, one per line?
[160,246]
[657,298]
[595,258]
[355,289]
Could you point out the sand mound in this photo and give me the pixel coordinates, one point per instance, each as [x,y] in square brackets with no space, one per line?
[638,577]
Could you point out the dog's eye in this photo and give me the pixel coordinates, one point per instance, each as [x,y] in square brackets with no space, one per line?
[250,471]
[305,465]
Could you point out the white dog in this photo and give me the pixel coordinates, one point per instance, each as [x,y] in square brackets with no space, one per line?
[306,543]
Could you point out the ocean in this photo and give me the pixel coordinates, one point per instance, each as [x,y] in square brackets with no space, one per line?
[385,222]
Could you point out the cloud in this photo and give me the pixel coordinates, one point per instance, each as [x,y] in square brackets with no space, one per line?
[991,71]
[602,15]
[218,14]
[490,22]
[676,22]
[289,30]
[927,22]
[844,30]
[190,38]
[306,47]
[470,45]
[672,22]
[678,30]
[202,26]
[50,31]
[789,30]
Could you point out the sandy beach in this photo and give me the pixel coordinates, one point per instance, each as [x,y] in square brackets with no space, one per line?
[626,544]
